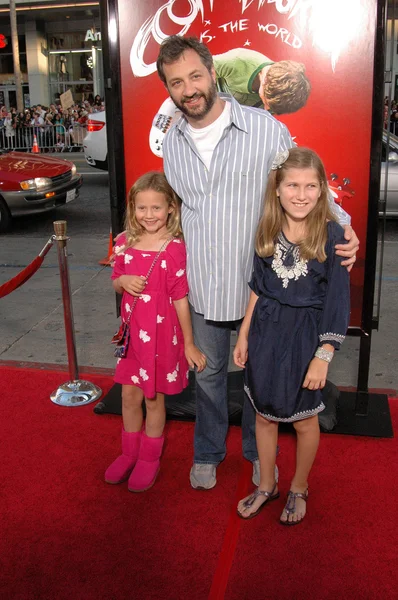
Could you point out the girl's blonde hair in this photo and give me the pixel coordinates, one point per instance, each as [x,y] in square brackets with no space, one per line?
[156,181]
[272,220]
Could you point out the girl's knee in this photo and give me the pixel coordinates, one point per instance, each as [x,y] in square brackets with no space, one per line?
[156,403]
[131,396]
[307,425]
[265,423]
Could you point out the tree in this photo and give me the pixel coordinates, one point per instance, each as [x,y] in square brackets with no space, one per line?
[15,55]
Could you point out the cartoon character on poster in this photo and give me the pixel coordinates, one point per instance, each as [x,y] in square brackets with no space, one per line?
[306,61]
[253,80]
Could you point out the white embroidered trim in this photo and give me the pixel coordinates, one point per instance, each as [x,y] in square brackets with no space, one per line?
[305,414]
[297,269]
[334,337]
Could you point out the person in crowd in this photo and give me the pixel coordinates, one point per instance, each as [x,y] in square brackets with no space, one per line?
[10,126]
[68,124]
[37,121]
[82,117]
[98,101]
[28,130]
[49,131]
[297,316]
[41,110]
[217,158]
[79,127]
[150,271]
[255,80]
[20,118]
[19,131]
[38,129]
[3,116]
[59,131]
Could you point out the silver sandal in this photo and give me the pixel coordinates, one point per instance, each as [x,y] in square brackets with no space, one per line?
[250,500]
[290,506]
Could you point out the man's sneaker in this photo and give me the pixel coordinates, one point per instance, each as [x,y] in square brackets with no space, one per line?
[203,477]
[256,473]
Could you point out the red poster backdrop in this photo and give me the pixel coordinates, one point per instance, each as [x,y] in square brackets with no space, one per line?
[333,39]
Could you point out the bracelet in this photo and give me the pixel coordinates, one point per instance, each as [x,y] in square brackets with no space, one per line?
[323,354]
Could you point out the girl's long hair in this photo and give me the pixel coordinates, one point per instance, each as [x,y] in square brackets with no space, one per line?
[273,217]
[156,181]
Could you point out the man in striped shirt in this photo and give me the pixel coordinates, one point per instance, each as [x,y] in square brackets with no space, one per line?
[217,158]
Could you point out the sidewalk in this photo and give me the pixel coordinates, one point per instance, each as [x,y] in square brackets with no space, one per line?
[32,322]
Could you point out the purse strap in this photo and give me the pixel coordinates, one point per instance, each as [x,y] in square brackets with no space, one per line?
[164,246]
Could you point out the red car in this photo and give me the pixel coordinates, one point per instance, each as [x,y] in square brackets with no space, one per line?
[33,183]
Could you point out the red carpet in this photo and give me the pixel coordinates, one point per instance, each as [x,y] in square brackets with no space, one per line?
[67,535]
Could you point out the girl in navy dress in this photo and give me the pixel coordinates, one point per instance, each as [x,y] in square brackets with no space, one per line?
[297,317]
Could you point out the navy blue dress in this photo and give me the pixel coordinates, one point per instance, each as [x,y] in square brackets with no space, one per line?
[301,305]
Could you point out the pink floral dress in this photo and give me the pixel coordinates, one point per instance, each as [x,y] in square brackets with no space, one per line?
[155,360]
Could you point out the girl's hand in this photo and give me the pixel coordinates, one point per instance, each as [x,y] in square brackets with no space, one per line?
[240,352]
[315,378]
[133,284]
[195,357]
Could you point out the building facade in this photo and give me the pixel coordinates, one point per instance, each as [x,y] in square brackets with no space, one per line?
[59,48]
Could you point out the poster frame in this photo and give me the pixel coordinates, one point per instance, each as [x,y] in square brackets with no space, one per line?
[112,73]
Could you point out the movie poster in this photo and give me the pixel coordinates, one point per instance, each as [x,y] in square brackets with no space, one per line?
[325,48]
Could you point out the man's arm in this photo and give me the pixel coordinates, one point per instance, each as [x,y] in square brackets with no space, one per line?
[350,249]
[342,217]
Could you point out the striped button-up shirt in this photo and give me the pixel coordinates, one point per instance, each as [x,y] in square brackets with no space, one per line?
[221,206]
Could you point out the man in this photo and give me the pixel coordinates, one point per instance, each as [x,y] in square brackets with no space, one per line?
[217,158]
[41,111]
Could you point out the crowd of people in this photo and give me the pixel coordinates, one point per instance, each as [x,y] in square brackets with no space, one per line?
[54,126]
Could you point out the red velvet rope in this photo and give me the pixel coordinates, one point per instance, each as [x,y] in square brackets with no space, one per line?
[23,276]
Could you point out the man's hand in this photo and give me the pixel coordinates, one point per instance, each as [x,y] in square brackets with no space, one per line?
[350,249]
[315,378]
[133,284]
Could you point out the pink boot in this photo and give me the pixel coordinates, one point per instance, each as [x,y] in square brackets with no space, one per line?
[147,467]
[121,468]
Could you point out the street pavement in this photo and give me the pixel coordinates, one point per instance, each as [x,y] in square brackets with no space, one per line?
[32,318]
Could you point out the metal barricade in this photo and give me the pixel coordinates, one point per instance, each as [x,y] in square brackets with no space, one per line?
[78,134]
[50,138]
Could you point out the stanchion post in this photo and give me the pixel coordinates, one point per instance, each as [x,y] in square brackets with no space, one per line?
[61,239]
[75,392]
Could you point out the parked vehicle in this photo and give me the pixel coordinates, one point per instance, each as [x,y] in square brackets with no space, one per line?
[95,144]
[34,183]
[390,155]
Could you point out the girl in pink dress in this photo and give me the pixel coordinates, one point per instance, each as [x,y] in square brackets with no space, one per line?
[161,347]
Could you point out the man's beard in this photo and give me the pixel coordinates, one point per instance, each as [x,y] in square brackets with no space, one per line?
[197,113]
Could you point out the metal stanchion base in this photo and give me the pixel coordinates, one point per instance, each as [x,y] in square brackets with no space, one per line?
[76,393]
